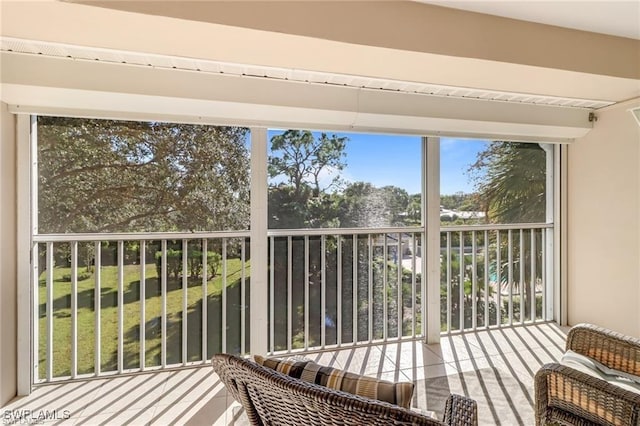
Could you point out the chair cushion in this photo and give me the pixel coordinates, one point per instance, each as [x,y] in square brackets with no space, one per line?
[333,378]
[595,369]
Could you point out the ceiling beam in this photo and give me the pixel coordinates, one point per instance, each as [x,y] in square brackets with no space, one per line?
[412,56]
[59,86]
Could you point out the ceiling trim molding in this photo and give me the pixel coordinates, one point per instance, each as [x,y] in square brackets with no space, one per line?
[56,85]
[423,48]
[111,56]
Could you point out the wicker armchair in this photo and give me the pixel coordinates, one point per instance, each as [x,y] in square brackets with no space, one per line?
[271,398]
[566,396]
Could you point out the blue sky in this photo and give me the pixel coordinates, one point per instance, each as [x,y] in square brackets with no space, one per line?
[395,160]
[456,155]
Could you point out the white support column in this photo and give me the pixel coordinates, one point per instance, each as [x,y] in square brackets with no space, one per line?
[555,308]
[561,278]
[550,217]
[431,247]
[24,225]
[259,242]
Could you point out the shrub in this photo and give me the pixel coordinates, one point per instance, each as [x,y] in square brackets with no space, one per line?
[194,263]
[81,277]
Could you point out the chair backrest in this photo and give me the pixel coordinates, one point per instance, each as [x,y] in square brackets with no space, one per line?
[613,349]
[272,398]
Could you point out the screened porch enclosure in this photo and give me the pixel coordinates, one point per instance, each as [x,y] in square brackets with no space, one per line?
[115,291]
[122,313]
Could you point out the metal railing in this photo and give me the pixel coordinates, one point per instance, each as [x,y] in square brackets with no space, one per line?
[493,275]
[334,287]
[117,303]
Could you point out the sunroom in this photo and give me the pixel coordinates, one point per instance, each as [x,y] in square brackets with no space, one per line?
[158,210]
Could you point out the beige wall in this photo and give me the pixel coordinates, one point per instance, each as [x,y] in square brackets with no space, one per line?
[8,300]
[604,224]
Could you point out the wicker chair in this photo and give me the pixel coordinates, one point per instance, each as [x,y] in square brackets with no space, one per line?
[566,396]
[272,398]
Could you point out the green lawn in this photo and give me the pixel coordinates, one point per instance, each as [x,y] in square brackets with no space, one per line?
[61,354]
[131,324]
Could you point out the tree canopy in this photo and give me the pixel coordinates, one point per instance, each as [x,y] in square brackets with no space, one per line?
[461,201]
[510,179]
[302,159]
[308,168]
[307,190]
[365,206]
[122,176]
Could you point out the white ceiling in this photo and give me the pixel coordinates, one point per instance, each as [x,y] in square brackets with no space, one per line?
[619,18]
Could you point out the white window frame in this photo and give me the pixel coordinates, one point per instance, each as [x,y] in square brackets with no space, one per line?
[26,210]
[27,190]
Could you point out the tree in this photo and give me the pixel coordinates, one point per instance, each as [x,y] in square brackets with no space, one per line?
[291,210]
[304,171]
[397,202]
[363,205]
[121,176]
[510,178]
[357,208]
[414,209]
[461,201]
[303,161]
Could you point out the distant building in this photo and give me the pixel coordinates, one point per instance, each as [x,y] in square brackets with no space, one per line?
[451,215]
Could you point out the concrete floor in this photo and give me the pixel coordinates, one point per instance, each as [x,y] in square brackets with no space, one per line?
[494,367]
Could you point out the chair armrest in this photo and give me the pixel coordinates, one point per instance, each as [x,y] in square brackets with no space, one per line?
[563,393]
[460,411]
[612,349]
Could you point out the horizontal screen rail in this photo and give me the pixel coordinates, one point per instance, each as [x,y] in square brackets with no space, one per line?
[138,236]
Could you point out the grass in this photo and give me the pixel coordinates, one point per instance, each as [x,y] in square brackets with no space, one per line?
[61,349]
[108,319]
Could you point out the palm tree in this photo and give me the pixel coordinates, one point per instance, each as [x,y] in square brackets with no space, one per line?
[510,178]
